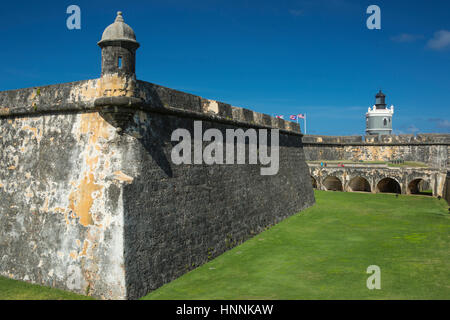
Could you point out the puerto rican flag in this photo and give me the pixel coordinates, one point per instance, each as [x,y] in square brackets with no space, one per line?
[293,117]
[301,116]
[279,117]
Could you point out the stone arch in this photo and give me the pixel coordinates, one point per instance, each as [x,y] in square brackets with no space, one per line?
[332,183]
[417,186]
[314,182]
[388,185]
[359,184]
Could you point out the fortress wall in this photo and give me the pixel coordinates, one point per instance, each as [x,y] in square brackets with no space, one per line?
[432,149]
[446,193]
[351,178]
[61,210]
[91,202]
[324,152]
[179,217]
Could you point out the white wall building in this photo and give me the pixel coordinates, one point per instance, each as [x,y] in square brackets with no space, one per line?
[378,117]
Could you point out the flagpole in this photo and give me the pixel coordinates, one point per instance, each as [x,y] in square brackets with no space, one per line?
[305,123]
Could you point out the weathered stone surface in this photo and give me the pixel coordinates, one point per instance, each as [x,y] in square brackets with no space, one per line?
[91,202]
[93,95]
[177,217]
[432,149]
[61,210]
[368,177]
[446,193]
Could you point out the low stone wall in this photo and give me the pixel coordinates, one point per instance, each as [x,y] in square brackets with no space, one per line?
[432,149]
[446,194]
[91,201]
[373,178]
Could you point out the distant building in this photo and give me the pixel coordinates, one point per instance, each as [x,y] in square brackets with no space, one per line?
[378,117]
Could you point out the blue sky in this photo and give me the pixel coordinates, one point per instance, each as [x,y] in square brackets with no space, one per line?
[278,57]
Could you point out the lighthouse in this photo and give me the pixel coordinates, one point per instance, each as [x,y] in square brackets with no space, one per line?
[378,117]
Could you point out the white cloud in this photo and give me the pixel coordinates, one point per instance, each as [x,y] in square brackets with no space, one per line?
[406,37]
[413,129]
[444,124]
[440,40]
[296,13]
[441,123]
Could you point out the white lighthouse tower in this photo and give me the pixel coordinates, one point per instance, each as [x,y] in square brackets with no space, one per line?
[378,117]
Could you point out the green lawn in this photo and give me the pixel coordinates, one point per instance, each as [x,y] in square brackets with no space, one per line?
[321,253]
[347,161]
[324,252]
[413,164]
[406,164]
[19,290]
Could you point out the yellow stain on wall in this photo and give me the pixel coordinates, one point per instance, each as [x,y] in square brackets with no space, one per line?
[82,198]
[4,111]
[106,86]
[85,247]
[94,125]
[371,153]
[73,255]
[33,95]
[44,207]
[37,135]
[212,106]
[119,175]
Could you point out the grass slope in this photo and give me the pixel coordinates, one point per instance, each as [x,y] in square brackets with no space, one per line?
[405,164]
[19,290]
[324,252]
[320,253]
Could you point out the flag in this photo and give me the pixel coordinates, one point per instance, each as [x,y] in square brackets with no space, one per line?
[301,116]
[279,117]
[293,117]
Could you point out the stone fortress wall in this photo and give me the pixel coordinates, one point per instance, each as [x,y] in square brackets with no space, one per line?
[432,149]
[91,202]
[90,199]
